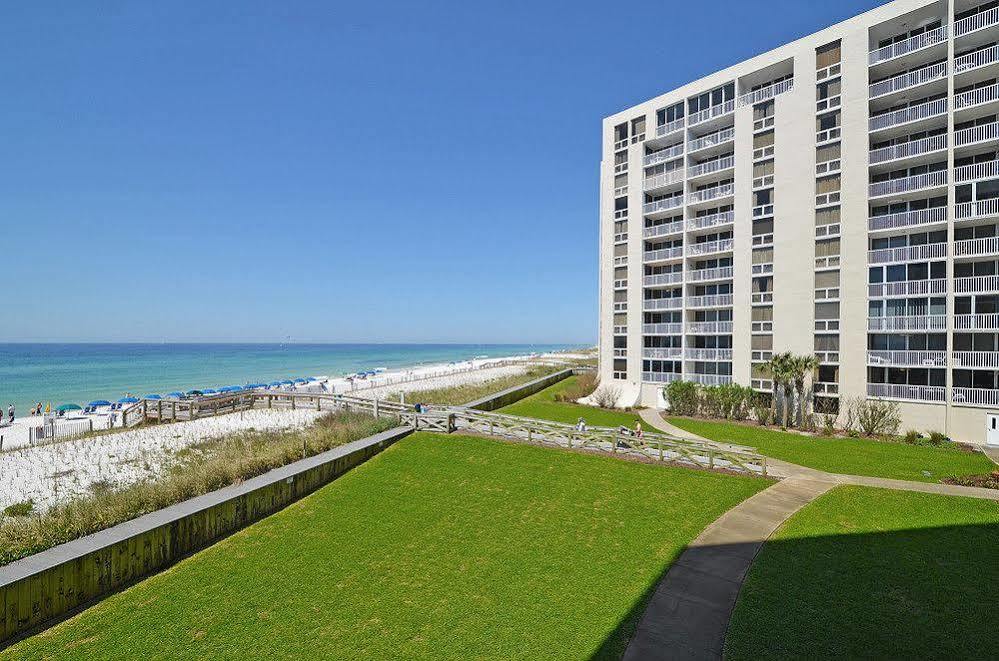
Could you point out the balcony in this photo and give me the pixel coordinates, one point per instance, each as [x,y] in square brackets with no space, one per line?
[974,135]
[653,304]
[907,253]
[710,167]
[663,255]
[709,247]
[709,327]
[662,353]
[976,322]
[912,184]
[712,140]
[907,358]
[704,275]
[977,284]
[662,206]
[974,397]
[714,193]
[986,246]
[765,93]
[976,172]
[708,354]
[663,180]
[660,377]
[662,279]
[976,97]
[709,221]
[710,379]
[662,329]
[910,45]
[908,393]
[976,210]
[710,113]
[908,150]
[670,127]
[976,359]
[666,229]
[917,113]
[710,301]
[908,288]
[663,155]
[908,80]
[937,322]
[907,219]
[976,22]
[976,60]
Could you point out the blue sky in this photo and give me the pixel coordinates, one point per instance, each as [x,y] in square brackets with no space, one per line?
[209,171]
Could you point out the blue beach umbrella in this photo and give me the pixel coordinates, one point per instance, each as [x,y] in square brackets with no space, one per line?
[68,407]
[300,381]
[313,378]
[127,400]
[276,383]
[209,391]
[152,397]
[175,395]
[195,392]
[99,402]
[287,382]
[235,388]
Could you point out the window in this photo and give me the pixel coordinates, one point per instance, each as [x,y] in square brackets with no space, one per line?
[827,153]
[827,55]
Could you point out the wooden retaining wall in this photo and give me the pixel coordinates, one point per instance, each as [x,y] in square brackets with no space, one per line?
[506,397]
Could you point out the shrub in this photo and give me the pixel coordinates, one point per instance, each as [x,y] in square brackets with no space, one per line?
[606,396]
[682,397]
[912,437]
[584,386]
[938,438]
[828,424]
[761,408]
[877,417]
[23,508]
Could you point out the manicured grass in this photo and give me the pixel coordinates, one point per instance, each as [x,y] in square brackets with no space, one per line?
[850,456]
[442,546]
[542,405]
[458,395]
[871,573]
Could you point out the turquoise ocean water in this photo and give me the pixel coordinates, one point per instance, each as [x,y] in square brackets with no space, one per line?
[79,373]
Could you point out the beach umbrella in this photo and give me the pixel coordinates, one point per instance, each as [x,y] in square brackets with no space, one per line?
[234,388]
[175,395]
[300,381]
[68,407]
[287,382]
[151,397]
[195,392]
[209,391]
[127,400]
[276,383]
[99,402]
[313,378]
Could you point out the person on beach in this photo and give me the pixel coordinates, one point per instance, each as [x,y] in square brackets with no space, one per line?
[638,430]
[581,425]
[10,414]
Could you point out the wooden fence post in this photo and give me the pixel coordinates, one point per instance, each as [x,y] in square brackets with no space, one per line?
[376,407]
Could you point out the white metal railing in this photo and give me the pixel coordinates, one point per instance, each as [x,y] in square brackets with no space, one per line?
[712,112]
[664,179]
[663,303]
[908,184]
[977,247]
[710,379]
[662,353]
[712,193]
[670,127]
[910,45]
[977,284]
[716,165]
[662,279]
[979,359]
[907,358]
[764,93]
[908,149]
[907,253]
[666,204]
[712,220]
[908,80]
[717,273]
[663,155]
[709,247]
[907,392]
[712,139]
[665,229]
[907,219]
[907,115]
[976,59]
[984,321]
[979,209]
[663,254]
[707,354]
[662,329]
[976,134]
[976,172]
[908,288]
[976,97]
[660,377]
[974,397]
[937,322]
[709,327]
[710,301]
[977,21]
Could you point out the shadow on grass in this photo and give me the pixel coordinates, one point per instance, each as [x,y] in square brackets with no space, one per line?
[914,593]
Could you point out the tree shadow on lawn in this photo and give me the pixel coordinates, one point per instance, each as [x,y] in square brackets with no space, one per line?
[912,593]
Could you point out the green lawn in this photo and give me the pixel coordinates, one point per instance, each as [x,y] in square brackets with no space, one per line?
[440,547]
[850,456]
[871,573]
[542,405]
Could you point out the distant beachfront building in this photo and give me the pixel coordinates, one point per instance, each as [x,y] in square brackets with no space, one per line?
[838,196]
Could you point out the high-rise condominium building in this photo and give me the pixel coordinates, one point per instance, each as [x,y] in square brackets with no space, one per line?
[838,196]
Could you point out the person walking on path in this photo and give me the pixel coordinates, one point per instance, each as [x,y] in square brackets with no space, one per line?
[10,414]
[581,425]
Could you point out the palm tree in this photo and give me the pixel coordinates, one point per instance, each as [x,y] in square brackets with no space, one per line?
[802,366]
[779,367]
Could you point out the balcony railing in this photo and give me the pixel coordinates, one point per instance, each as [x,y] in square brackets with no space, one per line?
[709,247]
[666,204]
[670,127]
[907,253]
[907,219]
[976,97]
[710,301]
[910,45]
[908,80]
[665,229]
[907,358]
[976,59]
[976,359]
[712,112]
[662,353]
[663,303]
[908,288]
[710,379]
[984,321]
[717,165]
[908,184]
[937,322]
[719,273]
[660,377]
[974,397]
[665,179]
[976,134]
[663,254]
[662,329]
[976,247]
[975,22]
[908,115]
[908,149]
[764,93]
[708,354]
[907,392]
[663,155]
[977,284]
[712,139]
[712,193]
[979,209]
[712,220]
[976,172]
[662,279]
[709,327]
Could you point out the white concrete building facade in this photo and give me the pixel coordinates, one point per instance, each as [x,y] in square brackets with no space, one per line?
[837,195]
